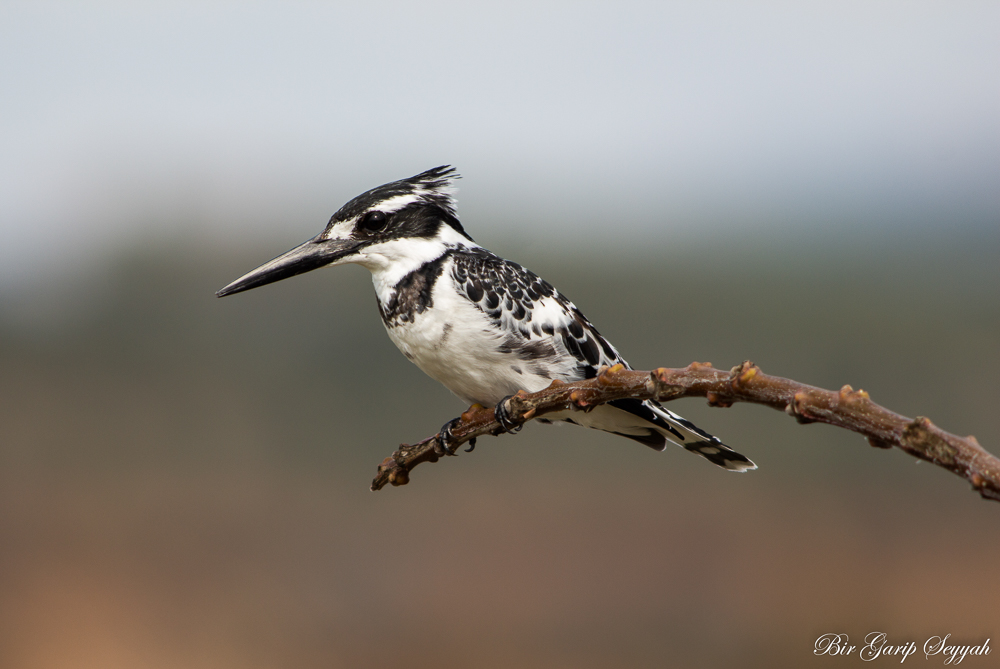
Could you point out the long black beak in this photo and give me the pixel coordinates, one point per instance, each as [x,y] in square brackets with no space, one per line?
[315,253]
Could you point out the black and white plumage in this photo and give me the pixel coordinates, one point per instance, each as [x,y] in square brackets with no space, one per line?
[483,326]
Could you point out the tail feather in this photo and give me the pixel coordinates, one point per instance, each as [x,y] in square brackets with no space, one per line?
[660,425]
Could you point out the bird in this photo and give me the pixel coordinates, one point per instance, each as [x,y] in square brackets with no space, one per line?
[482,326]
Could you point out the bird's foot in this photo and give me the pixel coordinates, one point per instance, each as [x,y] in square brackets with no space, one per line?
[443,446]
[503,417]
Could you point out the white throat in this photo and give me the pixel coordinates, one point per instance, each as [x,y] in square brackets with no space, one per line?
[392,260]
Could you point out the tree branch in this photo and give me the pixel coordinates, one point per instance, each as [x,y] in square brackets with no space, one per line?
[850,409]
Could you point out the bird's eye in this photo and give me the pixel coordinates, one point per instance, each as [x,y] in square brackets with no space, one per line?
[374,221]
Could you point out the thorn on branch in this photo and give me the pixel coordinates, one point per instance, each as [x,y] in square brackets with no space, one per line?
[798,408]
[578,402]
[397,475]
[606,375]
[662,386]
[717,400]
[654,384]
[742,375]
[850,396]
[922,435]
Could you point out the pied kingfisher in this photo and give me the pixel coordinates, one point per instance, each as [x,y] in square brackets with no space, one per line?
[483,326]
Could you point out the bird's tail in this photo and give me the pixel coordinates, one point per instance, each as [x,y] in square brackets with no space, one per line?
[657,425]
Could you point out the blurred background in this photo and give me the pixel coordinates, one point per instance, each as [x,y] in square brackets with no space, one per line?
[184,480]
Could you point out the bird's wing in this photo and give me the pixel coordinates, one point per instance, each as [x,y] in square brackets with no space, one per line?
[539,322]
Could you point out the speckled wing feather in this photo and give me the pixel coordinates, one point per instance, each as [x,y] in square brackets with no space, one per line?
[533,314]
[544,327]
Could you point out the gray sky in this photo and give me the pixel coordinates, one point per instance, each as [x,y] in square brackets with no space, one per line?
[128,122]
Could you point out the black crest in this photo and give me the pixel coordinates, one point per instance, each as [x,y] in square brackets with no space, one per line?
[431,192]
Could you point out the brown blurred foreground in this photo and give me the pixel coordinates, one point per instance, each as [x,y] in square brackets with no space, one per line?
[183,480]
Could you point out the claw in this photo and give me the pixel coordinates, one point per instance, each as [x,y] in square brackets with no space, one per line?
[503,417]
[445,436]
[472,445]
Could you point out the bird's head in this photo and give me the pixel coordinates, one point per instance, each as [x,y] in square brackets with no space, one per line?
[399,224]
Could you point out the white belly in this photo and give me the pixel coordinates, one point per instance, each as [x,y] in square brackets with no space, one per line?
[455,344]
